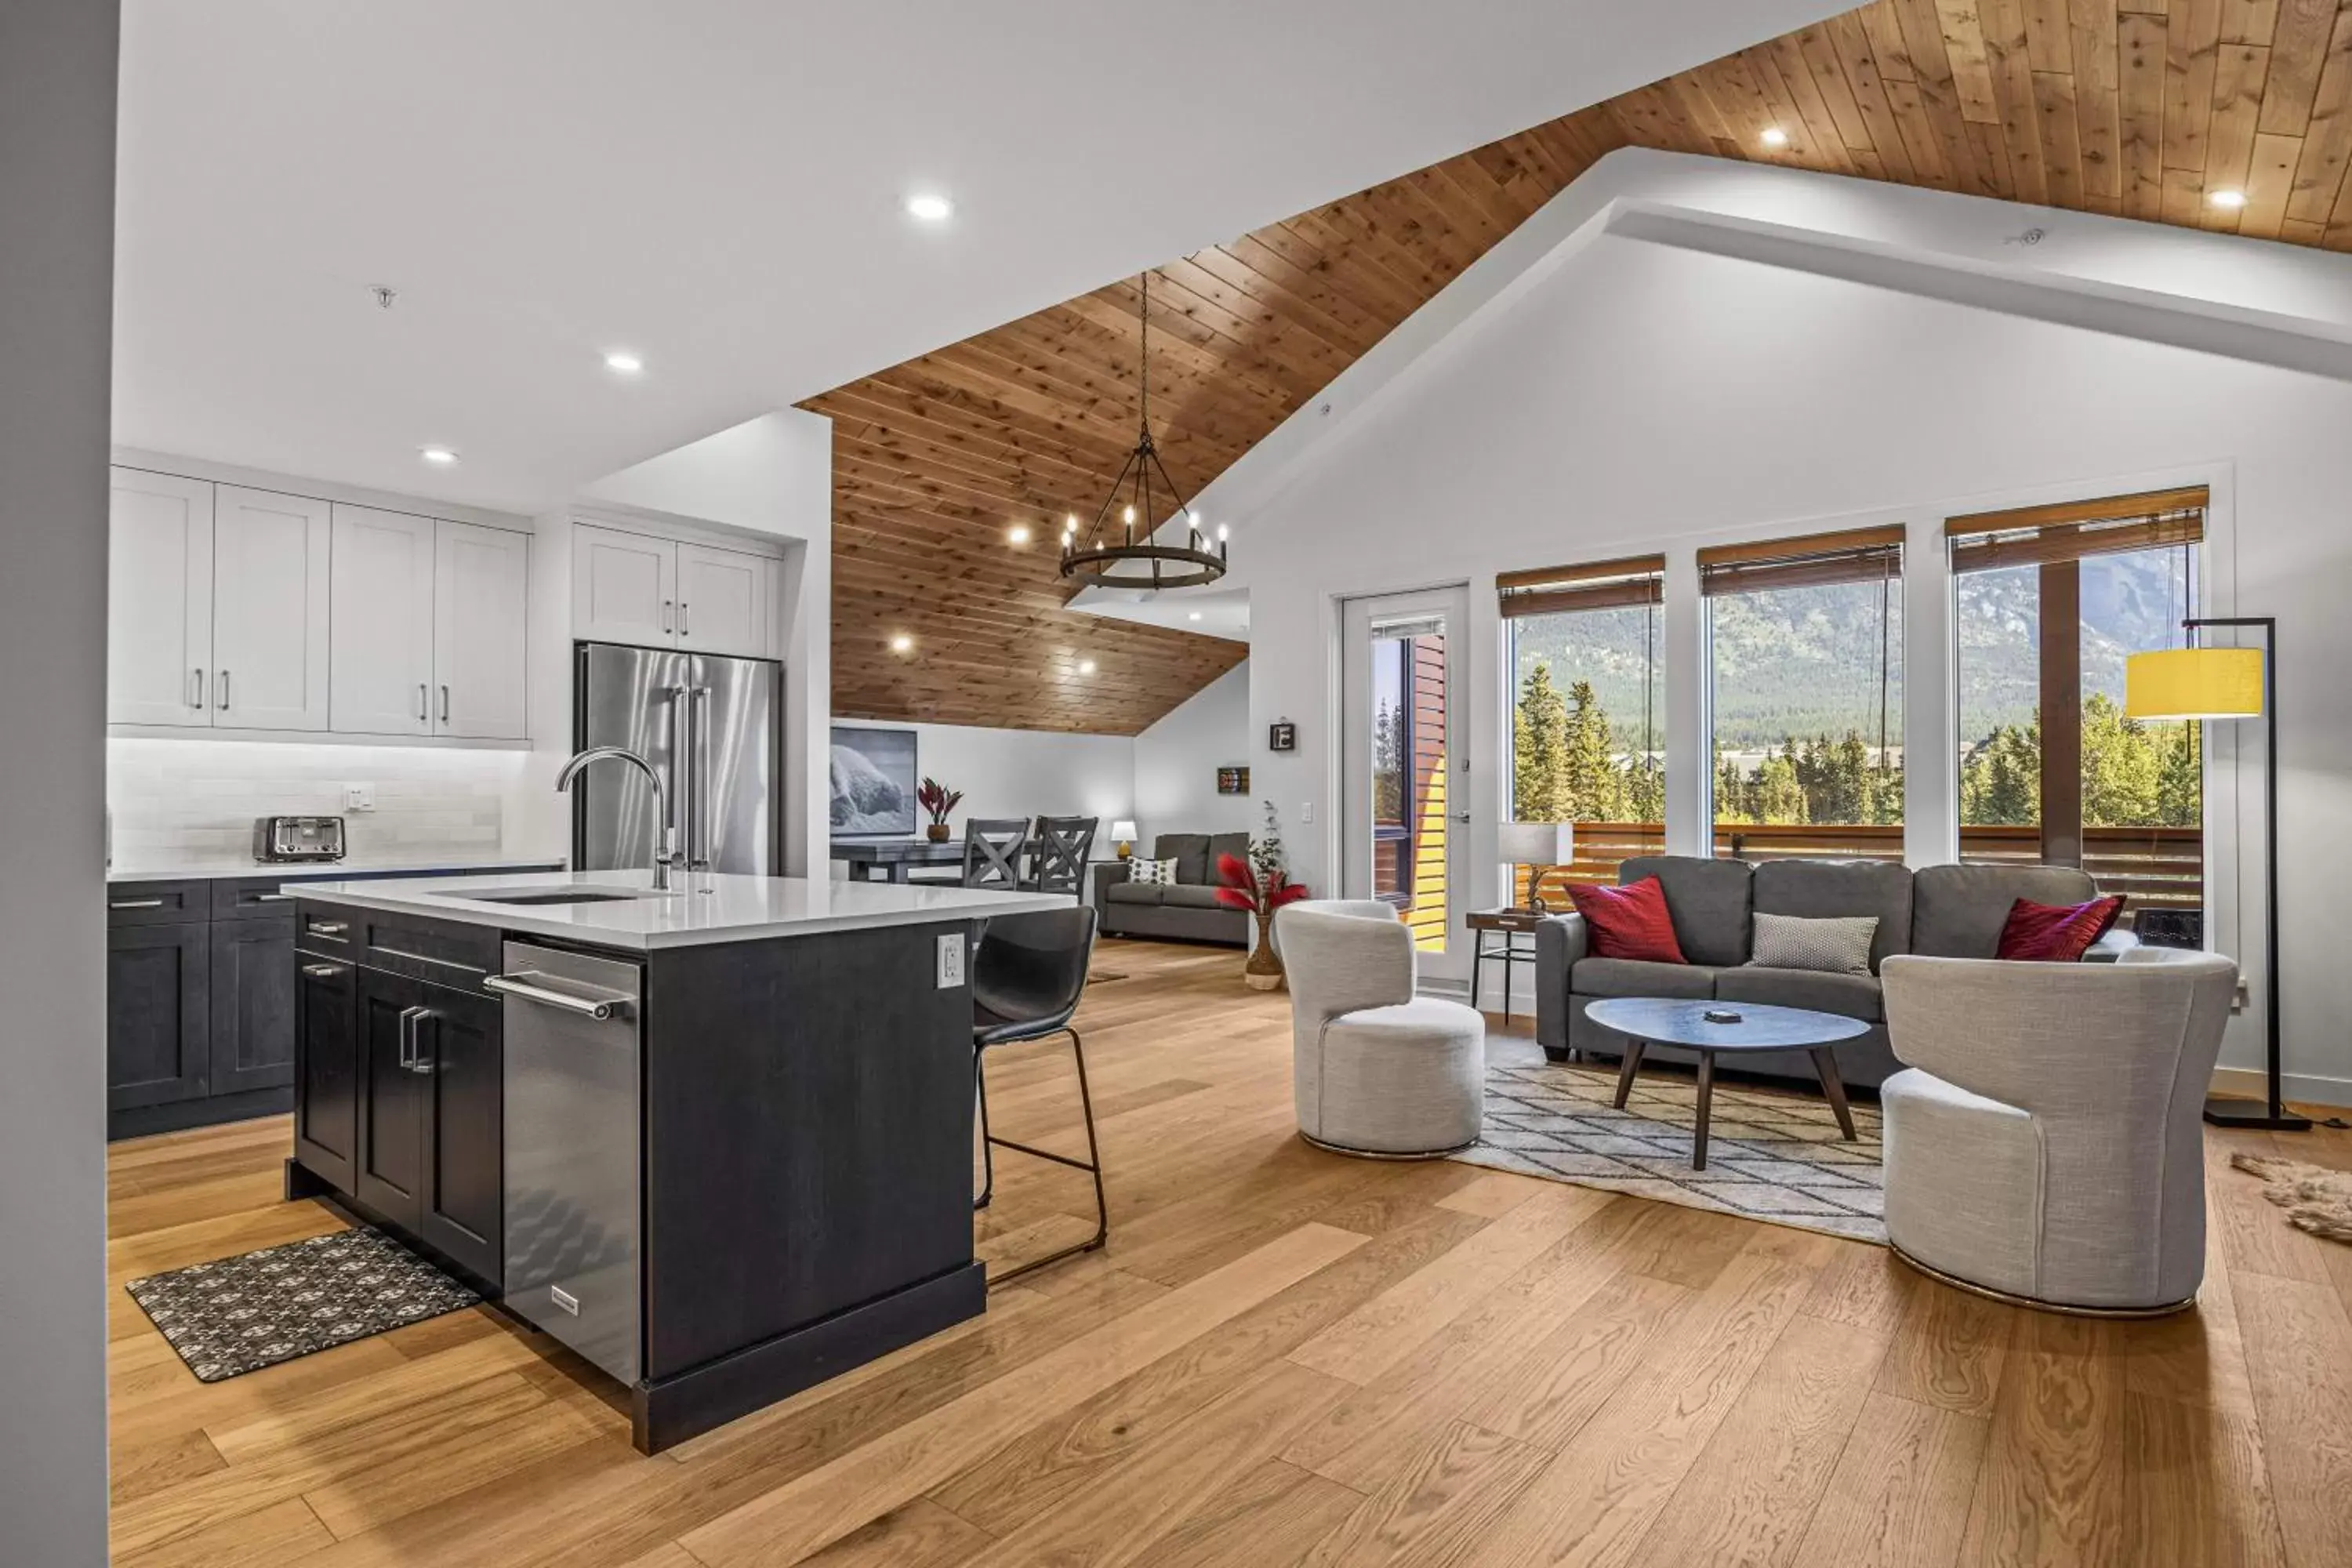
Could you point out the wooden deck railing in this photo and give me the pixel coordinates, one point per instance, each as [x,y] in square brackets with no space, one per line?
[2156,868]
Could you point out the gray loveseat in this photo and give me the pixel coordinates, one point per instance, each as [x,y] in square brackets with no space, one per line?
[1189,910]
[1938,911]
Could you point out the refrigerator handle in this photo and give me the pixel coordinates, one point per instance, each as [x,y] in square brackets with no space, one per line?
[697,707]
[681,776]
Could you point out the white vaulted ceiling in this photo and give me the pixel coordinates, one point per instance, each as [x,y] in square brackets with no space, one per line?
[717,187]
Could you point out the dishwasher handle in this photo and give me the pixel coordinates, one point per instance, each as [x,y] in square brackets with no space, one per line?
[526,986]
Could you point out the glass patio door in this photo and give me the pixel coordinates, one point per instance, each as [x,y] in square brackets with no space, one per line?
[1404,734]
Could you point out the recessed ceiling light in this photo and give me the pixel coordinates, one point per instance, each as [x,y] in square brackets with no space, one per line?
[1193,617]
[441,457]
[1018,533]
[929,207]
[1086,667]
[902,643]
[1774,137]
[621,361]
[2231,200]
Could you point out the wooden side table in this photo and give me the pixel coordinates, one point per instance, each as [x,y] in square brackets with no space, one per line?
[1510,925]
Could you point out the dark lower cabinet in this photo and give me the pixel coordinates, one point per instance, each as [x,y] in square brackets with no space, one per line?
[326,1068]
[253,991]
[158,1014]
[425,1073]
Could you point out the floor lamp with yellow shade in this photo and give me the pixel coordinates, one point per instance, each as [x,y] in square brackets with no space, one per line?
[2210,683]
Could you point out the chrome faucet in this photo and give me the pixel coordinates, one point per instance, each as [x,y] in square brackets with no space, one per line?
[666,854]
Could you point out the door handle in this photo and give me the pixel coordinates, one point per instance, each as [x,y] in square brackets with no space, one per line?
[197,687]
[1460,816]
[697,843]
[224,690]
[423,706]
[445,703]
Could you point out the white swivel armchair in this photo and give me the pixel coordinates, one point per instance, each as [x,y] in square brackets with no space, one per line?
[2044,1145]
[1376,1070]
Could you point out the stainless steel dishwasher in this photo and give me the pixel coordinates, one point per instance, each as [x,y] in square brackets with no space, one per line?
[572,1150]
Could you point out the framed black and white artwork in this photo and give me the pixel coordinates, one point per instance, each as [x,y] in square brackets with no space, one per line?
[873,782]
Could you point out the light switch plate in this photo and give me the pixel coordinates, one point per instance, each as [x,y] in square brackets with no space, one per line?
[951,962]
[359,797]
[1305,811]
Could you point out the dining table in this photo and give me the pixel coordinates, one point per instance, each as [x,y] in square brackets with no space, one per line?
[891,860]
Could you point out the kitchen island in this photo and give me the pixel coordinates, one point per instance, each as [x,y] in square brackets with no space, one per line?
[715,1138]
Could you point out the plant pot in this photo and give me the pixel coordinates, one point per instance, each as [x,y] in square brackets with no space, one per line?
[1264,970]
[937,832]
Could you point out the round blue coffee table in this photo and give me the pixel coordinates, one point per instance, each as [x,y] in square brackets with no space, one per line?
[1754,1028]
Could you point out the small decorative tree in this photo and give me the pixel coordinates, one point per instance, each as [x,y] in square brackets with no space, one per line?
[1260,885]
[939,800]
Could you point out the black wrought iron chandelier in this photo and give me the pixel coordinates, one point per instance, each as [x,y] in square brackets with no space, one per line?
[1133,559]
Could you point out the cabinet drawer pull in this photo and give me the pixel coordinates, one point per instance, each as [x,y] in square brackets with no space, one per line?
[322,971]
[136,904]
[328,928]
[271,898]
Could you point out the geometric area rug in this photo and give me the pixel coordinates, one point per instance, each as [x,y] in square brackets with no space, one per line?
[243,1313]
[1771,1154]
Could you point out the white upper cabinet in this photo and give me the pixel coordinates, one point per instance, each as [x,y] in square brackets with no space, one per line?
[270,611]
[723,601]
[480,603]
[160,601]
[381,618]
[623,588]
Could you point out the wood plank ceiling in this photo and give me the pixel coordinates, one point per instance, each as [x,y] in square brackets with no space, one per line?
[2139,109]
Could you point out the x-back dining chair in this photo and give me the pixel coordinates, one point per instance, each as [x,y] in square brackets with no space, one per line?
[1061,844]
[993,850]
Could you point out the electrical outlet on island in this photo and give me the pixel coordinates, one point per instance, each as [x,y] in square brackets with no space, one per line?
[950,961]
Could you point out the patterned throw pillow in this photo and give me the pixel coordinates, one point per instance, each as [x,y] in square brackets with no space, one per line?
[2055,933]
[1158,873]
[1840,945]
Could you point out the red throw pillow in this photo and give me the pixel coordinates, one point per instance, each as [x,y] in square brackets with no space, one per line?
[1629,922]
[2056,934]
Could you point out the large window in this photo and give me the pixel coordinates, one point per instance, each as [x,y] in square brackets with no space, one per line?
[2047,603]
[1588,720]
[1805,690]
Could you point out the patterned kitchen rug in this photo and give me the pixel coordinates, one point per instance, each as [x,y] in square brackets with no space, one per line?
[243,1313]
[1770,1155]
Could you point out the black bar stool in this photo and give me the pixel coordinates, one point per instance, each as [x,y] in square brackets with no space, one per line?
[1027,975]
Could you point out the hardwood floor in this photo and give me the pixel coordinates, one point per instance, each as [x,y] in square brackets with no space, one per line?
[1286,1356]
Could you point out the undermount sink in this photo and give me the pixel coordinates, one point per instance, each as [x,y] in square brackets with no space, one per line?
[572,895]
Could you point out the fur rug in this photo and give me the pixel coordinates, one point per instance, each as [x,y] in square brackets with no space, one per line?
[2315,1198]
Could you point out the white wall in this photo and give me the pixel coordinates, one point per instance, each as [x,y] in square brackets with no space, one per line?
[56,187]
[1024,772]
[1638,396]
[1176,762]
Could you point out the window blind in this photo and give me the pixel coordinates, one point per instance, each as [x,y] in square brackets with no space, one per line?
[1596,586]
[2075,530]
[1855,555]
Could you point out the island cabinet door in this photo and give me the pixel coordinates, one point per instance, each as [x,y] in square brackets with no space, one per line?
[458,1047]
[326,1070]
[391,1107]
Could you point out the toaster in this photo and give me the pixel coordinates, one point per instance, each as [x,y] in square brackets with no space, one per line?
[298,838]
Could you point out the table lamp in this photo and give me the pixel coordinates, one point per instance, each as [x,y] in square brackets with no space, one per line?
[1122,833]
[1540,845]
[2206,683]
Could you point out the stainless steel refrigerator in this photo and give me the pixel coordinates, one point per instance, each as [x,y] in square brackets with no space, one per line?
[713,728]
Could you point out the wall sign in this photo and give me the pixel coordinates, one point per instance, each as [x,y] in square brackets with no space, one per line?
[1233,781]
[1281,736]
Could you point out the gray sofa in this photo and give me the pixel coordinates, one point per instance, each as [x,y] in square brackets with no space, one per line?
[1189,910]
[1938,911]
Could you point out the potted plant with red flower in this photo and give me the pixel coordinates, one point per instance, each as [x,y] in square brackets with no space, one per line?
[1260,886]
[939,800]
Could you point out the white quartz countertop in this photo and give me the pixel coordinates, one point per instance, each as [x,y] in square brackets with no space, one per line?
[162,871]
[702,906]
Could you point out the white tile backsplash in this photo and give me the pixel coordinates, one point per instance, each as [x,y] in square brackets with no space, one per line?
[196,800]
